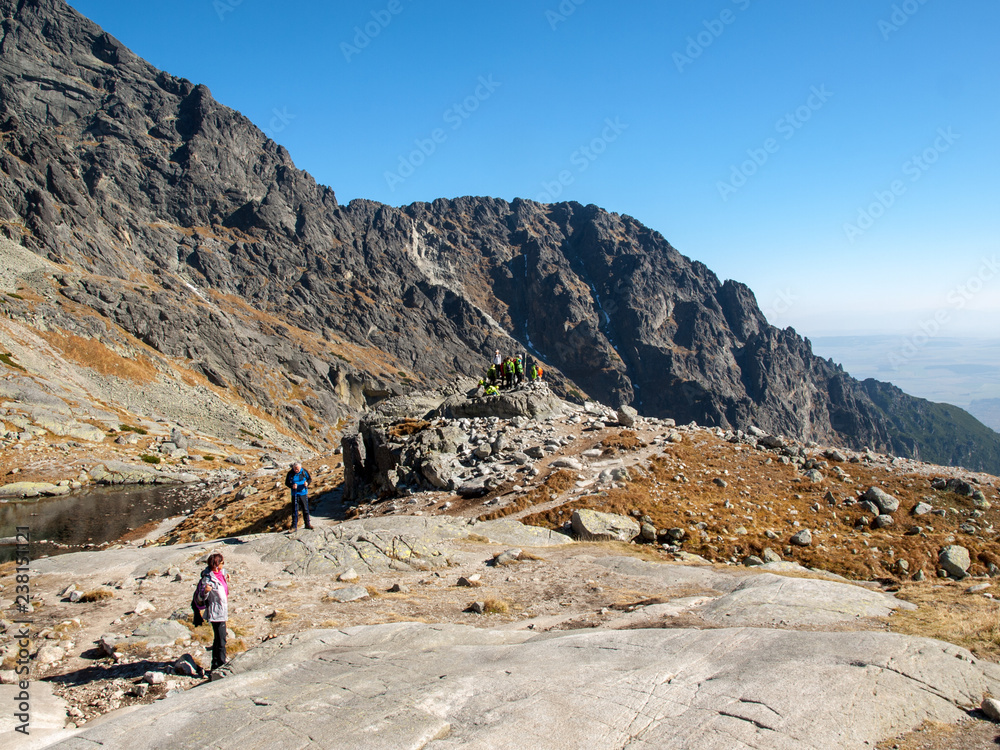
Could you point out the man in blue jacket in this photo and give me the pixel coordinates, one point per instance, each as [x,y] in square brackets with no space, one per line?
[297,480]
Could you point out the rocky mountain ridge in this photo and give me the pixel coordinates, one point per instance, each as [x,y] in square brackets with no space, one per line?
[186,248]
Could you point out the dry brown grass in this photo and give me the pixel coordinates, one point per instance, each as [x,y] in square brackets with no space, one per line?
[623,442]
[95,355]
[279,616]
[769,497]
[135,650]
[947,612]
[408,427]
[97,595]
[555,484]
[496,606]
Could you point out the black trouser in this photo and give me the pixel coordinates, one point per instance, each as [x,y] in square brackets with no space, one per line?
[219,644]
[300,500]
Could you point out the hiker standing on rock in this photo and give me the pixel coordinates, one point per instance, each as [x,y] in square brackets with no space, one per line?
[212,595]
[297,480]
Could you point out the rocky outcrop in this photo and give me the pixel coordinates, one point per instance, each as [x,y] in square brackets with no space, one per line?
[180,226]
[471,444]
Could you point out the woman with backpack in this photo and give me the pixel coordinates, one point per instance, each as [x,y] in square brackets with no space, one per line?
[212,595]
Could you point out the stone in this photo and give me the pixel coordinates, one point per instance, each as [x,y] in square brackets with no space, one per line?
[592,525]
[439,470]
[720,482]
[814,476]
[32,489]
[991,707]
[802,538]
[473,581]
[567,463]
[478,608]
[186,665]
[648,532]
[348,594]
[48,655]
[154,678]
[922,509]
[142,606]
[885,502]
[399,588]
[627,416]
[979,587]
[954,561]
[882,521]
[349,576]
[159,632]
[752,561]
[236,459]
[508,557]
[770,556]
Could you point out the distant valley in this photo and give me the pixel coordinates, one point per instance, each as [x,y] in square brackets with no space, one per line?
[960,371]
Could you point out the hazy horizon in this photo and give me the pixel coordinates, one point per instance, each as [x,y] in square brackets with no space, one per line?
[953,370]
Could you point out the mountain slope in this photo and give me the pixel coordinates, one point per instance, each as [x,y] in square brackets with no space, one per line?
[178,224]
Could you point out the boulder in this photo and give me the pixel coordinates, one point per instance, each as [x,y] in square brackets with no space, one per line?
[885,502]
[595,526]
[954,560]
[627,416]
[439,470]
[32,489]
[802,538]
[348,594]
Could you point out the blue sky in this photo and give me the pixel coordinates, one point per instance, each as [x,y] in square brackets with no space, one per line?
[839,157]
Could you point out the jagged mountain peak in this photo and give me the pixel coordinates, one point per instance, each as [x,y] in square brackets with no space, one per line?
[182,225]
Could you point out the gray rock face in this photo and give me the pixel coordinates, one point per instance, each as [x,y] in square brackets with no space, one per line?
[727,688]
[594,526]
[115,472]
[768,600]
[115,168]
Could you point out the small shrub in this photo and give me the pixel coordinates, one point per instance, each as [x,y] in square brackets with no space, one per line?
[208,458]
[150,459]
[496,607]
[130,428]
[137,650]
[342,357]
[7,360]
[15,296]
[97,595]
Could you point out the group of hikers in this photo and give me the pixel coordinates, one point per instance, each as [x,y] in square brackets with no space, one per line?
[508,372]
